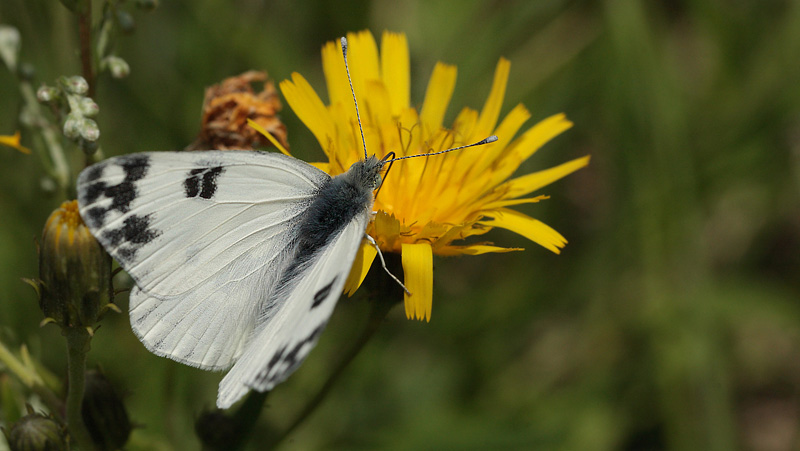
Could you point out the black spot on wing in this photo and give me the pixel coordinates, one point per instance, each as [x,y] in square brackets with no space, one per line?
[210,182]
[283,363]
[127,254]
[122,194]
[202,182]
[96,216]
[131,236]
[94,172]
[192,183]
[136,230]
[323,293]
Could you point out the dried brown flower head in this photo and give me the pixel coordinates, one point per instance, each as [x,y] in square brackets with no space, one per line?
[227,107]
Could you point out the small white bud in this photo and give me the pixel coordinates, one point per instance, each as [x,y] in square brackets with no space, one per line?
[75,85]
[46,93]
[88,107]
[89,130]
[72,126]
[118,67]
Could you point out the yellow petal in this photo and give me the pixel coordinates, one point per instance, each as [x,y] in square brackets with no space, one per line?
[324,167]
[437,98]
[380,130]
[386,229]
[464,125]
[395,70]
[418,272]
[532,229]
[13,141]
[508,203]
[491,109]
[269,136]
[366,254]
[529,183]
[335,75]
[505,132]
[539,135]
[512,123]
[475,249]
[307,105]
[363,60]
[472,164]
[527,144]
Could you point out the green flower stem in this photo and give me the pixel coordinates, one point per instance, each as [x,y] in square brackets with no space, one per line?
[78,340]
[378,311]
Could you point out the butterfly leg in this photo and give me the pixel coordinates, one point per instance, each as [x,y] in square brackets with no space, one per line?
[383,263]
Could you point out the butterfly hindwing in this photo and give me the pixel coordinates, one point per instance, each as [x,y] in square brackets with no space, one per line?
[283,340]
[205,235]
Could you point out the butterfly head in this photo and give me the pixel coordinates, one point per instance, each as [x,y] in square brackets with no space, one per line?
[367,173]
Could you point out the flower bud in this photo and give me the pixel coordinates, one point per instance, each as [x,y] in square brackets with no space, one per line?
[89,130]
[46,93]
[75,85]
[35,432]
[119,67]
[72,126]
[88,107]
[104,413]
[74,271]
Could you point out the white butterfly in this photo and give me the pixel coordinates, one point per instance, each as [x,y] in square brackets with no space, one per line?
[239,257]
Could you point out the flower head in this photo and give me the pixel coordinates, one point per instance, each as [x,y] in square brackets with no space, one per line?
[75,288]
[229,105]
[427,205]
[104,413]
[35,431]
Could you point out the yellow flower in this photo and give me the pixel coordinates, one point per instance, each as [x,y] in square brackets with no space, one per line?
[75,287]
[427,204]
[13,141]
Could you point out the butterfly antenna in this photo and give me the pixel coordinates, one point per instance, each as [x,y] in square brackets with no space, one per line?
[349,80]
[486,140]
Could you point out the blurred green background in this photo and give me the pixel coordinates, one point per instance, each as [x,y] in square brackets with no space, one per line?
[670,321]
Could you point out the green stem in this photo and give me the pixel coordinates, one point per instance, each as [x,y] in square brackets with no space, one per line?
[378,311]
[78,340]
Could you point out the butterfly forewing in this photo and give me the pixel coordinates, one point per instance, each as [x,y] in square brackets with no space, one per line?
[204,235]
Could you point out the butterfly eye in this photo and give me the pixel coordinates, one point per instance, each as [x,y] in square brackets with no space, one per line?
[378,180]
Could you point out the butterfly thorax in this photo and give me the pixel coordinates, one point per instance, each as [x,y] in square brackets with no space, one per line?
[338,201]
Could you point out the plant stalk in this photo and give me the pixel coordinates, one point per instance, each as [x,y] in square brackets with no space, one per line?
[78,340]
